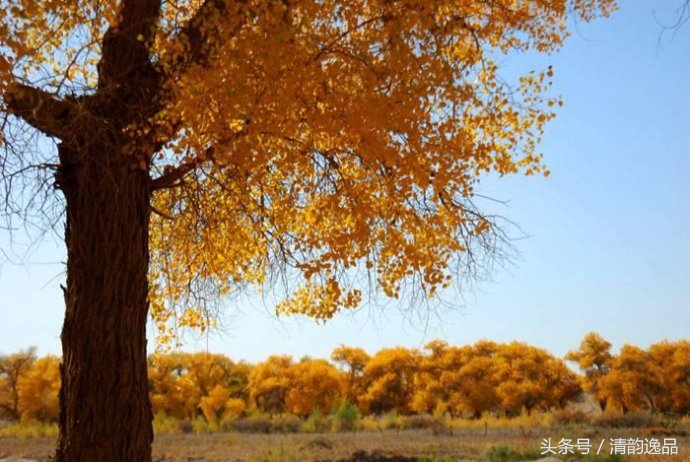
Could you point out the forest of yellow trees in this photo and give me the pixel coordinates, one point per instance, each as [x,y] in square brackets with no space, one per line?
[503,379]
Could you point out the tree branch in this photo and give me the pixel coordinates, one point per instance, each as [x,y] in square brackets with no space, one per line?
[40,109]
[171,177]
[126,44]
[197,40]
[204,25]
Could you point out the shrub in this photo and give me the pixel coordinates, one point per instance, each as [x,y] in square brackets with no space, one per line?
[346,417]
[163,423]
[570,417]
[288,423]
[316,423]
[499,454]
[186,426]
[30,429]
[436,424]
[391,421]
[254,424]
[199,425]
[636,420]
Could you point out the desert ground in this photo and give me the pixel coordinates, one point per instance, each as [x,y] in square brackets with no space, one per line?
[388,445]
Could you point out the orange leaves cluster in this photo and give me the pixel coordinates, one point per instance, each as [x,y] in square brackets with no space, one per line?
[466,381]
[315,384]
[657,379]
[461,381]
[187,385]
[332,139]
[491,377]
[319,140]
[52,41]
[38,390]
[29,387]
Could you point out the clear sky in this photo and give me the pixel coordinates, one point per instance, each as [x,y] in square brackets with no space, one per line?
[607,244]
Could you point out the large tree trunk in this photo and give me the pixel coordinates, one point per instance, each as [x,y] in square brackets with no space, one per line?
[105,413]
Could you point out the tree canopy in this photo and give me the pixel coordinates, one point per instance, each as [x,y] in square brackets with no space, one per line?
[332,138]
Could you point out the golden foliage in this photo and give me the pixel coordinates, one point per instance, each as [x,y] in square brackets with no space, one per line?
[322,138]
[390,380]
[185,385]
[471,381]
[353,360]
[269,384]
[314,384]
[13,368]
[38,390]
[333,138]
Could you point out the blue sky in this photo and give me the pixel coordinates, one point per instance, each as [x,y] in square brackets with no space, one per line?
[607,243]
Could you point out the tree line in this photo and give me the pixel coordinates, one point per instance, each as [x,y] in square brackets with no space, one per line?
[461,381]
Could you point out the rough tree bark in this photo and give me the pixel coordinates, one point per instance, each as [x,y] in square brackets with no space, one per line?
[105,413]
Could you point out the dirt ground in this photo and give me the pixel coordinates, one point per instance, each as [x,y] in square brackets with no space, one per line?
[421,445]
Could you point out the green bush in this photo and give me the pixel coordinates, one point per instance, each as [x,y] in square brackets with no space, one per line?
[346,417]
[165,424]
[200,426]
[316,423]
[391,421]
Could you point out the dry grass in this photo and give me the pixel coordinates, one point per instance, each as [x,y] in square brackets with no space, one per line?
[463,444]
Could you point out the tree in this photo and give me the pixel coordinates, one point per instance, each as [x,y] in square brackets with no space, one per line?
[314,384]
[12,369]
[475,383]
[429,393]
[218,405]
[518,373]
[390,380]
[631,384]
[269,384]
[353,360]
[680,367]
[185,385]
[457,380]
[663,370]
[667,377]
[594,359]
[168,386]
[318,138]
[38,390]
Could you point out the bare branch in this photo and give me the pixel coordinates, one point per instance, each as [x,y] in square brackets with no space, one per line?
[172,177]
[40,109]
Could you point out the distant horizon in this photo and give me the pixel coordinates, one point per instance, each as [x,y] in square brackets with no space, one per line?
[571,363]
